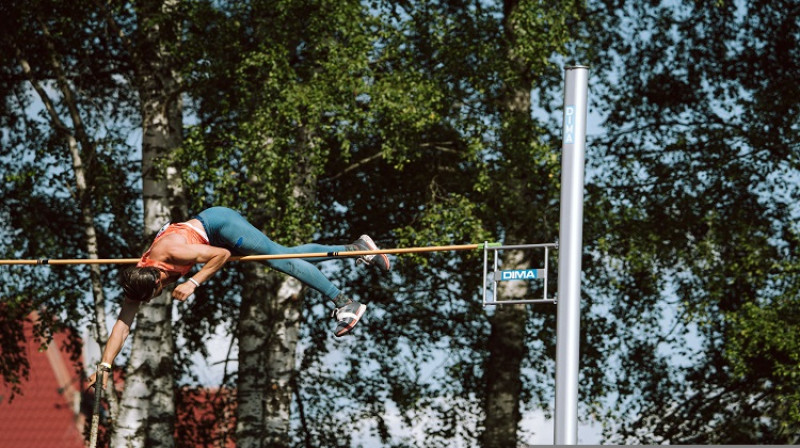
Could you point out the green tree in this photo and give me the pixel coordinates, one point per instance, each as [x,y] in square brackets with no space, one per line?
[77,80]
[326,87]
[524,203]
[464,182]
[285,84]
[63,154]
[693,218]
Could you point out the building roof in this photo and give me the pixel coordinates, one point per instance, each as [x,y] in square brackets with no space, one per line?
[207,416]
[47,412]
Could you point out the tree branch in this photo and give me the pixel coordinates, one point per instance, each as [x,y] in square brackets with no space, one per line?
[352,167]
[366,160]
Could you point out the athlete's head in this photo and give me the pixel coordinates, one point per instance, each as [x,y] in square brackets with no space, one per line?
[141,284]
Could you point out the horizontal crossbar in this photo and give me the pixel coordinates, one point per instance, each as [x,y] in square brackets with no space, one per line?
[355,253]
[496,246]
[519,302]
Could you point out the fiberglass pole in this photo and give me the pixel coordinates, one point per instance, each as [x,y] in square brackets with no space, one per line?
[570,248]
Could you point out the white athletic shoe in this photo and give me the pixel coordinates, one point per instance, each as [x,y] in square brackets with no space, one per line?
[364,242]
[347,317]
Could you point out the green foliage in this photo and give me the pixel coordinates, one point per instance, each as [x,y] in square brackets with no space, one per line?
[385,120]
[765,349]
[65,51]
[450,220]
[474,176]
[691,205]
[411,121]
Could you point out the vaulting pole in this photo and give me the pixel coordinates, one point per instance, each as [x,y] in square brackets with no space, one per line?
[569,255]
[98,396]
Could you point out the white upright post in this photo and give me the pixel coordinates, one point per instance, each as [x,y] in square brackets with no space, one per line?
[570,248]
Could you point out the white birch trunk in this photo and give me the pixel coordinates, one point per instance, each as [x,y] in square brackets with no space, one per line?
[77,139]
[506,345]
[147,412]
[282,349]
[268,335]
[506,352]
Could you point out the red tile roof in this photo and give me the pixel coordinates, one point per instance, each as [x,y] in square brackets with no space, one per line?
[207,417]
[47,413]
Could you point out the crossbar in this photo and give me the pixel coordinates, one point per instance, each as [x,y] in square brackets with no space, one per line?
[348,254]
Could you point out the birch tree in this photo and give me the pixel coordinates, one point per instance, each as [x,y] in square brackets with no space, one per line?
[527,167]
[89,71]
[50,68]
[481,169]
[147,415]
[285,90]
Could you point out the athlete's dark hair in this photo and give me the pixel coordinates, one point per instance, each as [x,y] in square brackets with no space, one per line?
[139,283]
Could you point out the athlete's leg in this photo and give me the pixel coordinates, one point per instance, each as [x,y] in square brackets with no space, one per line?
[227,228]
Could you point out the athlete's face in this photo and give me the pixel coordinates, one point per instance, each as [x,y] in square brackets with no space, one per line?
[159,288]
[163,280]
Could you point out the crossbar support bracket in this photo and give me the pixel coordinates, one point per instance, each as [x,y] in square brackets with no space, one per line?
[517,274]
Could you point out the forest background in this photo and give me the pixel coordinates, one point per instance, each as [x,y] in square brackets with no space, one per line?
[421,123]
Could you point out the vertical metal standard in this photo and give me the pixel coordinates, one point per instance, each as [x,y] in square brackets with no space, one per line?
[485,270]
[569,255]
[494,284]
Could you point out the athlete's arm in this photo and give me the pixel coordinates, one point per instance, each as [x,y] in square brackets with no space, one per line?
[178,252]
[119,333]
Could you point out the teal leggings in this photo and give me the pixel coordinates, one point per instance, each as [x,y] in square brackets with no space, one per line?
[227,228]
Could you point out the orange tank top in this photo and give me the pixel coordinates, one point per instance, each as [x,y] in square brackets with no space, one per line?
[185,230]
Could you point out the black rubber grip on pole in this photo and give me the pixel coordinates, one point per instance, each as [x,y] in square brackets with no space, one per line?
[98,394]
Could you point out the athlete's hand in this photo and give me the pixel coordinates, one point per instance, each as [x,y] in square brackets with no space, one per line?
[93,379]
[184,291]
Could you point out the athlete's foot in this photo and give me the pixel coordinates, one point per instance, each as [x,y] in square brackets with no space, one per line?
[347,317]
[364,242]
